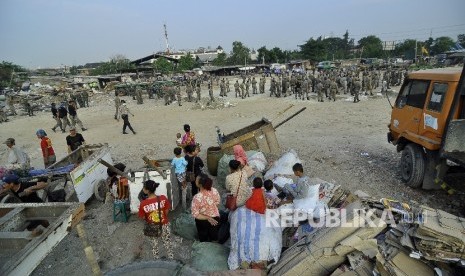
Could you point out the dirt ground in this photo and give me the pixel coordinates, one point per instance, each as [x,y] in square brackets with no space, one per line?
[340,142]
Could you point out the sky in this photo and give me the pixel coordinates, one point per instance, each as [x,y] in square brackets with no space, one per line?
[54,33]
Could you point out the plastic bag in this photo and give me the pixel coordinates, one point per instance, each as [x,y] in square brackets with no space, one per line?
[307,205]
[258,162]
[283,166]
[281,181]
[184,226]
[208,256]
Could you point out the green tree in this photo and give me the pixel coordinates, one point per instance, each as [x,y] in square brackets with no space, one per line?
[162,65]
[406,49]
[116,65]
[441,44]
[7,74]
[240,53]
[314,49]
[220,60]
[186,62]
[372,47]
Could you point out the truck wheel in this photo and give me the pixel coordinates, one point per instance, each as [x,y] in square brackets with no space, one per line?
[412,165]
[100,190]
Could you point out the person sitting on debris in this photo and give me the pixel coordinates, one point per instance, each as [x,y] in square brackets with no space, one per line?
[27,193]
[205,209]
[298,190]
[118,186]
[272,200]
[155,210]
[17,158]
[256,202]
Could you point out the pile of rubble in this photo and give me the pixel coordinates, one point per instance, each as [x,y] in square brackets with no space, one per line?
[377,237]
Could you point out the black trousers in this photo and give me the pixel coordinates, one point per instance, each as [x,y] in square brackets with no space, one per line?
[194,189]
[206,231]
[126,123]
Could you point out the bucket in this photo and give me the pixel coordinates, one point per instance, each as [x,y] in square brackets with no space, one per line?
[214,155]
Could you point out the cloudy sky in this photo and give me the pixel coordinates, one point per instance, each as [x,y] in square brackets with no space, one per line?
[51,33]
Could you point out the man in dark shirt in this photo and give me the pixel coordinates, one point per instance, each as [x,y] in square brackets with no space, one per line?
[55,116]
[74,140]
[27,193]
[73,115]
[63,116]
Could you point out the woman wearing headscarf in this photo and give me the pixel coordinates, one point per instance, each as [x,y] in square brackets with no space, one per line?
[241,156]
[189,137]
[236,183]
[47,149]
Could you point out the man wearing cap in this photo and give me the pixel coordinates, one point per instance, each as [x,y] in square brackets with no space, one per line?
[74,140]
[26,192]
[17,158]
[47,149]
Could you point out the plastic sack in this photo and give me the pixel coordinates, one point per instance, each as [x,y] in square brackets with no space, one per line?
[307,205]
[258,162]
[208,256]
[283,166]
[281,181]
[184,226]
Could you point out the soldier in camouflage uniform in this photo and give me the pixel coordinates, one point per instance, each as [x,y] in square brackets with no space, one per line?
[227,86]
[247,86]
[278,87]
[356,87]
[189,91]
[262,85]
[210,91]
[254,86]
[85,98]
[273,87]
[237,88]
[178,94]
[293,83]
[242,86]
[139,95]
[333,90]
[28,107]
[285,85]
[197,91]
[222,88]
[304,89]
[319,89]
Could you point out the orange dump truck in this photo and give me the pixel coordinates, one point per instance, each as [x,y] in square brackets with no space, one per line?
[428,126]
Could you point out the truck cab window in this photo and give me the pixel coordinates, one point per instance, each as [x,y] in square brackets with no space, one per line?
[437,96]
[417,94]
[402,99]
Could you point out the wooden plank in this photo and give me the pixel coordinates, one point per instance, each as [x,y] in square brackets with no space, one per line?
[16,235]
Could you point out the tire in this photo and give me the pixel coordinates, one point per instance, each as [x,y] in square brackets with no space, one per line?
[100,190]
[412,165]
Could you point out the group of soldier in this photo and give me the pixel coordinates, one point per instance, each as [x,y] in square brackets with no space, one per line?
[326,84]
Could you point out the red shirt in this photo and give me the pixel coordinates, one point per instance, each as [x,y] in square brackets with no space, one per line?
[256,202]
[148,209]
[46,146]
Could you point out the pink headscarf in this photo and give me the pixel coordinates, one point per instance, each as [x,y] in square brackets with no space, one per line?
[240,155]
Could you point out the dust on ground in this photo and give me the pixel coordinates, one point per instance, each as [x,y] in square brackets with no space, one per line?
[340,142]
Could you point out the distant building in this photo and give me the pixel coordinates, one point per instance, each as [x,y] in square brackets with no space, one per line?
[205,55]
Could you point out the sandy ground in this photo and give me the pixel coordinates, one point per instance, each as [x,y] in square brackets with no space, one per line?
[341,142]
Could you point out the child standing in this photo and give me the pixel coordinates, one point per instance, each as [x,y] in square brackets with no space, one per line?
[155,210]
[180,165]
[256,202]
[178,139]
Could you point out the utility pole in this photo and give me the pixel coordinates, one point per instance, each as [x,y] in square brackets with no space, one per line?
[416,46]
